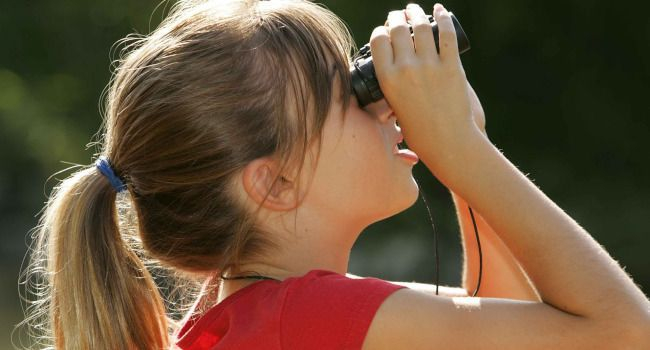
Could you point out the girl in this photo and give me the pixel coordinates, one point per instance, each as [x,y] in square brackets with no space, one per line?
[235,153]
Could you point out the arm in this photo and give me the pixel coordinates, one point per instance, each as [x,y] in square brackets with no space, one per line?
[562,320]
[502,276]
[587,298]
[571,271]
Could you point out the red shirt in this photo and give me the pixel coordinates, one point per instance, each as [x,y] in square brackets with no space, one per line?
[320,310]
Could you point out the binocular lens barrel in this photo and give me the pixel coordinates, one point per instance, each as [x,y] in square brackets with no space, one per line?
[364,80]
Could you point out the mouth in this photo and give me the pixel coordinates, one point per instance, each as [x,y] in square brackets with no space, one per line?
[400,149]
[399,144]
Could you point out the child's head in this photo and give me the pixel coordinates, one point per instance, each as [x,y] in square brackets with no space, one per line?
[219,84]
[216,86]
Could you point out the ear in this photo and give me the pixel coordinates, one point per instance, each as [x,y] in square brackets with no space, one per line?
[258,179]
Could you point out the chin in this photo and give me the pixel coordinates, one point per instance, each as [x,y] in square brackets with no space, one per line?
[412,194]
[406,199]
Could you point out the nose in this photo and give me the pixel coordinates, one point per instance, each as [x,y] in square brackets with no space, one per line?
[380,109]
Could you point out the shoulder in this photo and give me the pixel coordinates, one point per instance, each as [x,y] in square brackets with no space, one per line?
[333,292]
[330,310]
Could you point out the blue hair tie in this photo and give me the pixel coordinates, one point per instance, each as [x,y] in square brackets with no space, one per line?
[105,168]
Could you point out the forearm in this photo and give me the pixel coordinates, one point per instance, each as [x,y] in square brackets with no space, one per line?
[570,270]
[502,277]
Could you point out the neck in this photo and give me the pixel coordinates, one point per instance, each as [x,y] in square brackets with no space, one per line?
[315,242]
[296,262]
[322,261]
[307,240]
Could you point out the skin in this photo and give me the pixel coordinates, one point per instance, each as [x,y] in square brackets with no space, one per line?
[573,295]
[356,181]
[358,144]
[586,300]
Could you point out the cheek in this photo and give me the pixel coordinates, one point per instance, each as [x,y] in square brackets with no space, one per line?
[367,159]
[365,151]
[356,158]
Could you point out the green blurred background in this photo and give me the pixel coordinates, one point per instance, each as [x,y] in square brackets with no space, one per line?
[564,86]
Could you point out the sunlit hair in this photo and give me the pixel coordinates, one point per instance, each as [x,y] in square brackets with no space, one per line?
[217,85]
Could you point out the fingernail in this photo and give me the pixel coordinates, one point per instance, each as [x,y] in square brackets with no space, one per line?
[395,13]
[438,7]
[412,5]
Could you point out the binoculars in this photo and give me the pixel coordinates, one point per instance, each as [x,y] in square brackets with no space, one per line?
[364,80]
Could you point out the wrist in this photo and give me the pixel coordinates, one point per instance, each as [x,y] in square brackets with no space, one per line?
[447,160]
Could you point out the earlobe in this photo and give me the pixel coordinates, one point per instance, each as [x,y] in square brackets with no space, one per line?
[264,187]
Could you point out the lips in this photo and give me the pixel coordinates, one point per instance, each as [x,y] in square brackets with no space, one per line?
[404,152]
[398,140]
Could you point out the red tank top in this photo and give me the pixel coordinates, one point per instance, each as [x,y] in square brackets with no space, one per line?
[320,310]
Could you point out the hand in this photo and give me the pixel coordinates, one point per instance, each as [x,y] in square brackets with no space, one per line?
[427,91]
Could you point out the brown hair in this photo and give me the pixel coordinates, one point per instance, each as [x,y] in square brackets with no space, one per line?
[215,86]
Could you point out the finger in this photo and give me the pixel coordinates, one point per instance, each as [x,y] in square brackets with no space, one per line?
[423,36]
[381,49]
[446,33]
[400,36]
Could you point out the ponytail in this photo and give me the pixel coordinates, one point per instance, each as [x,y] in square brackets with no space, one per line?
[101,296]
